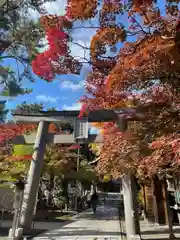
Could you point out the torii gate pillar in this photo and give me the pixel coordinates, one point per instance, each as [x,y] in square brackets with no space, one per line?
[130,207]
[130,196]
[33,178]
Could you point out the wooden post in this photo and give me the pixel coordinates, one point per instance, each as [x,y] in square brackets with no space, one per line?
[155,205]
[149,202]
[160,200]
[77,182]
[144,201]
[168,211]
[33,178]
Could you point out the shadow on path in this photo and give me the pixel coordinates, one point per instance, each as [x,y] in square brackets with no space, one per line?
[39,228]
[103,213]
[86,225]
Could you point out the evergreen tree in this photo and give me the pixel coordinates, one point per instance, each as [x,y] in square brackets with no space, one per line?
[3,111]
[19,39]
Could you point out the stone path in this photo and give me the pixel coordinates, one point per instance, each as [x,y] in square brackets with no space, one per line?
[155,232]
[86,226]
[105,226]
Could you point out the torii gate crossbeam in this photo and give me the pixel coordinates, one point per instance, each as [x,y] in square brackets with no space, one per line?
[80,135]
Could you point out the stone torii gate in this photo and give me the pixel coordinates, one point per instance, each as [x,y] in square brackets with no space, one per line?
[80,135]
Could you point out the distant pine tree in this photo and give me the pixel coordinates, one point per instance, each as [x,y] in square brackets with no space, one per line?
[3,111]
[30,108]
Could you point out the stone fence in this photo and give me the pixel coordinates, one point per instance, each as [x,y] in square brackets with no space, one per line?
[6,199]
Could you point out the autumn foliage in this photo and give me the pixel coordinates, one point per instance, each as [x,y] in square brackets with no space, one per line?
[56,59]
[81,9]
[165,157]
[143,73]
[151,57]
[9,131]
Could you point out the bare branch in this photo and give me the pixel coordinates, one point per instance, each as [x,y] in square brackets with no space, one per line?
[78,44]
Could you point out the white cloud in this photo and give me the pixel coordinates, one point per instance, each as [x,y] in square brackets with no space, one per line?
[57,7]
[85,33]
[33,14]
[82,37]
[45,99]
[75,106]
[44,45]
[71,85]
[78,50]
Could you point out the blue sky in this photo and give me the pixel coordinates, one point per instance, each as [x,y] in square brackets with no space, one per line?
[65,91]
[61,94]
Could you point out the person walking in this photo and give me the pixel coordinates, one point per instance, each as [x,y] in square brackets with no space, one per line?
[94,201]
[88,199]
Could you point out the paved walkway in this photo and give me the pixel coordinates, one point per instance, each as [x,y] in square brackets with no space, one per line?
[105,226]
[155,232]
[85,226]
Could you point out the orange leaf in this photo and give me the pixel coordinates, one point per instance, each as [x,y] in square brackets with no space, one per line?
[18,158]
